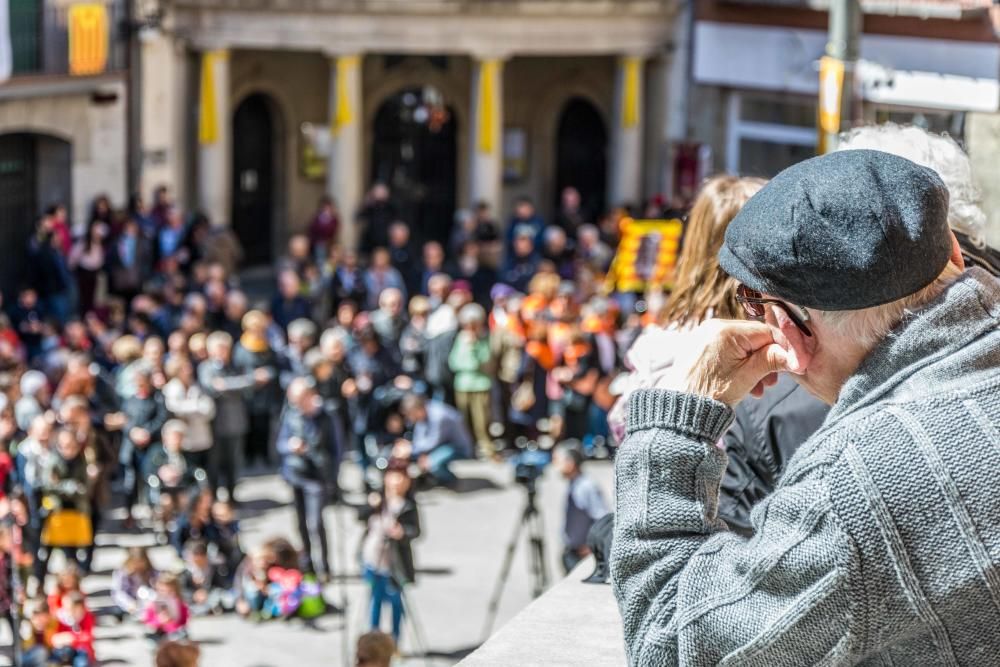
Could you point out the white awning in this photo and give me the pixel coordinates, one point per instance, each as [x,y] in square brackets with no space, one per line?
[901,71]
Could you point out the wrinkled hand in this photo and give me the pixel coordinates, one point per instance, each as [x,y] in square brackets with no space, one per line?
[726,360]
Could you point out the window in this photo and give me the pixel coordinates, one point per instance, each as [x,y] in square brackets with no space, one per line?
[952,122]
[766,133]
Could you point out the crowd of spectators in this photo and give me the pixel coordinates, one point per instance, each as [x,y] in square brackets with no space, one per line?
[137,375]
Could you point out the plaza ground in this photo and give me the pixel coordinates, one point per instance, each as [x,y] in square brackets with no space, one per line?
[465,534]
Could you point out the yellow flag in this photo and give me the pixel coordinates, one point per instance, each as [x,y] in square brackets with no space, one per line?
[208,114]
[488,71]
[831,88]
[88,39]
[630,91]
[343,111]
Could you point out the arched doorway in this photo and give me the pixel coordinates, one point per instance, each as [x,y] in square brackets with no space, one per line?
[256,173]
[35,172]
[414,153]
[581,154]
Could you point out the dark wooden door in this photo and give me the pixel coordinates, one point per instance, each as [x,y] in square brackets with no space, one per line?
[19,206]
[253,179]
[581,155]
[416,158]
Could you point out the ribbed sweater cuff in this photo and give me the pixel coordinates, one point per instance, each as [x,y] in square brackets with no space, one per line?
[697,416]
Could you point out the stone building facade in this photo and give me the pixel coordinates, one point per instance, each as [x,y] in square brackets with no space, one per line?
[313,97]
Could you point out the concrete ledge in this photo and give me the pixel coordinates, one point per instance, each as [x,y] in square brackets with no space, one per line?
[572,624]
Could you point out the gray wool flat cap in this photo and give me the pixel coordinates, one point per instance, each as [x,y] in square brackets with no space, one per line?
[843,231]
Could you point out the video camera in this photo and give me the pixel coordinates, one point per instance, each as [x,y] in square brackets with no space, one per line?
[529,464]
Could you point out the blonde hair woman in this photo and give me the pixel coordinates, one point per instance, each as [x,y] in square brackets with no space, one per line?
[701,290]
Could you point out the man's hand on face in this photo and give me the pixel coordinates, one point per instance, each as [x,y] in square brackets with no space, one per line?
[726,360]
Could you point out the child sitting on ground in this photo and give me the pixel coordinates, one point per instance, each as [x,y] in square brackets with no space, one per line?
[68,581]
[202,585]
[132,584]
[227,539]
[37,635]
[166,615]
[73,644]
[252,583]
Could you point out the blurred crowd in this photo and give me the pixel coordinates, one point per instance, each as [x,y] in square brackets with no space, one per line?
[138,378]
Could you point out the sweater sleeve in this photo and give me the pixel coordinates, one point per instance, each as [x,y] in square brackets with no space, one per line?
[692,593]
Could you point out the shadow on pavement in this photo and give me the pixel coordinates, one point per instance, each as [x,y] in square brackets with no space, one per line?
[474,485]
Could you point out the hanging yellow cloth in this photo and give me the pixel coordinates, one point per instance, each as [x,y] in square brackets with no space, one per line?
[632,66]
[343,110]
[208,113]
[88,39]
[489,69]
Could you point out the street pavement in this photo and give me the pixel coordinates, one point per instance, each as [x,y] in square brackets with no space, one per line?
[459,556]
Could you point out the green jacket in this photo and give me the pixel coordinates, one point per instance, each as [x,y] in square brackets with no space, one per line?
[468,360]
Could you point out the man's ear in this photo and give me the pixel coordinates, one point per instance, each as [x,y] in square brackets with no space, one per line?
[798,347]
[956,253]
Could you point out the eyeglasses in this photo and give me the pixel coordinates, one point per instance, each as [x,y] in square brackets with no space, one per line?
[753,303]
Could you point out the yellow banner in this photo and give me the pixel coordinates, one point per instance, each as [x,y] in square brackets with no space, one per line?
[343,110]
[208,114]
[632,66]
[831,85]
[489,70]
[88,39]
[647,255]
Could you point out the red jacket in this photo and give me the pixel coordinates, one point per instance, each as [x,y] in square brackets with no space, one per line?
[83,633]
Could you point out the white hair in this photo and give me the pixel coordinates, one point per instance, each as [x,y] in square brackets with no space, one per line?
[302,328]
[868,326]
[938,152]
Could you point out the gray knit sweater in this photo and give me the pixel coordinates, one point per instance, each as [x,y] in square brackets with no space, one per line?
[881,544]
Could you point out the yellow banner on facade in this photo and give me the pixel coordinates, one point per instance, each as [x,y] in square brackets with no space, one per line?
[831,86]
[646,256]
[488,72]
[343,110]
[88,39]
[632,66]
[208,115]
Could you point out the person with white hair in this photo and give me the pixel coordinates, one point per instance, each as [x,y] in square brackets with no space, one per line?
[942,154]
[878,544]
[389,319]
[227,385]
[301,338]
[34,398]
[470,362]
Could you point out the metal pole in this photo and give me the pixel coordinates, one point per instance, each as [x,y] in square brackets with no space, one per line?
[837,74]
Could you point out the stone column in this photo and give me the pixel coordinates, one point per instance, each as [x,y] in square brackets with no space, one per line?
[344,180]
[625,173]
[215,180]
[486,141]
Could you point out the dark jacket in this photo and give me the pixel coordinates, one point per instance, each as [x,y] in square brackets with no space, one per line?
[148,413]
[65,481]
[316,431]
[263,399]
[231,415]
[402,567]
[762,439]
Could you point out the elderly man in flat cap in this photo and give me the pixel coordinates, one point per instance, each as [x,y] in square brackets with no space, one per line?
[881,544]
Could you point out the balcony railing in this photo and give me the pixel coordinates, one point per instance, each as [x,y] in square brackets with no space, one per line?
[41,42]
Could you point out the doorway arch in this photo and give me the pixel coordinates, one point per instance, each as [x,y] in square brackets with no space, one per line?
[582,155]
[36,171]
[257,173]
[414,152]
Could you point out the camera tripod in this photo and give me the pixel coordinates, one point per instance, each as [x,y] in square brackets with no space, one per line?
[531,518]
